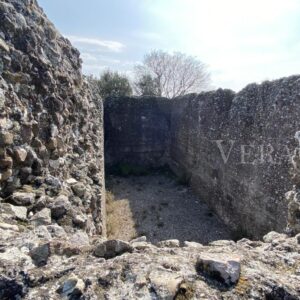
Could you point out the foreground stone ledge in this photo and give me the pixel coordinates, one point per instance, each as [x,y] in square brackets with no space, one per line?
[242,270]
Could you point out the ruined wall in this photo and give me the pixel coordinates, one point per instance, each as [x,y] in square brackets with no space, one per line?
[255,130]
[51,154]
[259,124]
[137,131]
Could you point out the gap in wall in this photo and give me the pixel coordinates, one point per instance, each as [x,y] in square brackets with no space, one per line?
[160,207]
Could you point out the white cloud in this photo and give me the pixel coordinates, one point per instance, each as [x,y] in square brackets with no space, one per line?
[113,46]
[242,41]
[88,57]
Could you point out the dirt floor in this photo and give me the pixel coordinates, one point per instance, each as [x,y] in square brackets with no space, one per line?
[158,207]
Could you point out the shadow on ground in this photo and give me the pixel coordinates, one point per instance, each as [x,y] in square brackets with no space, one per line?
[158,207]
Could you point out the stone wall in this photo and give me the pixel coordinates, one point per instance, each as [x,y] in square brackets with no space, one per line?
[137,131]
[255,128]
[248,190]
[51,153]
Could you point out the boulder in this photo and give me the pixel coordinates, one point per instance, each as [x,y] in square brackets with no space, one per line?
[223,267]
[112,248]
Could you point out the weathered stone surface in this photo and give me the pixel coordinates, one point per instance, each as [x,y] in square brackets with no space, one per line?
[72,287]
[112,248]
[273,237]
[6,138]
[44,105]
[40,254]
[293,196]
[79,189]
[18,212]
[164,284]
[224,268]
[6,226]
[169,244]
[20,154]
[60,207]
[23,198]
[138,139]
[57,231]
[267,271]
[42,217]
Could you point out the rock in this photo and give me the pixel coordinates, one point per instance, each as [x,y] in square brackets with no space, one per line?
[222,243]
[20,154]
[60,207]
[80,220]
[54,182]
[42,232]
[71,181]
[42,217]
[169,244]
[192,244]
[165,284]
[141,245]
[6,226]
[57,231]
[222,267]
[52,144]
[112,248]
[298,238]
[40,254]
[6,162]
[79,189]
[72,287]
[4,46]
[80,238]
[274,236]
[139,239]
[23,198]
[17,212]
[6,138]
[11,288]
[5,175]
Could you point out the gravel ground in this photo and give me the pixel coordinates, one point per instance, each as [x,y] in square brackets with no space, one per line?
[156,206]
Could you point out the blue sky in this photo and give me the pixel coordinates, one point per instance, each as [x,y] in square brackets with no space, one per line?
[240,41]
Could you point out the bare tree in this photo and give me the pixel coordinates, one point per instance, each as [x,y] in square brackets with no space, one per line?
[174,74]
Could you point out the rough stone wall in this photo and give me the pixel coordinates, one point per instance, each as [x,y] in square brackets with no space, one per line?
[255,128]
[248,191]
[137,131]
[51,153]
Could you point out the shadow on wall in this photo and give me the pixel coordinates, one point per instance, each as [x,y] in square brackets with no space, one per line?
[160,208]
